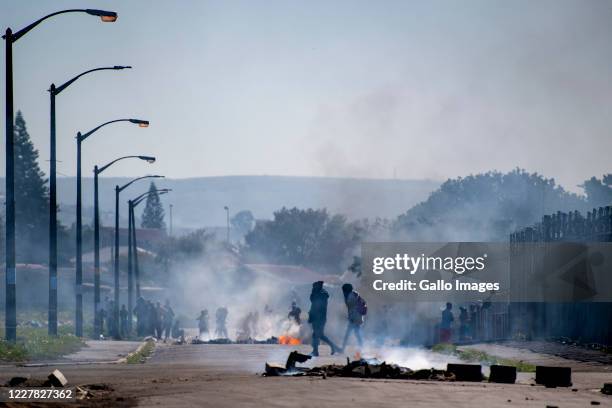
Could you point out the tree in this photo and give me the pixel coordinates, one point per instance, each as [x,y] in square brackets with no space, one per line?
[31,198]
[153,214]
[598,192]
[484,207]
[243,222]
[309,237]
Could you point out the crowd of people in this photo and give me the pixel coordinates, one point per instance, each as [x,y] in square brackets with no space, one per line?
[470,325]
[152,319]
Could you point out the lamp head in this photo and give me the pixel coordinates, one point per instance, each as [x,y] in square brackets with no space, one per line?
[105,16]
[140,123]
[148,159]
[122,67]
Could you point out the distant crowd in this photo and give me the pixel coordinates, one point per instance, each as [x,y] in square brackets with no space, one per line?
[152,319]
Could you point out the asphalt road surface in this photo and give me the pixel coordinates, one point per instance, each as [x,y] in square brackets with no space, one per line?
[229,376]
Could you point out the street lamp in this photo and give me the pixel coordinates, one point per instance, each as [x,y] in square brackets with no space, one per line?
[118,190]
[53,91]
[226,208]
[79,241]
[97,171]
[10,276]
[132,243]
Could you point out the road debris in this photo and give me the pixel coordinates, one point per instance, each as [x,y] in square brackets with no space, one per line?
[57,379]
[502,374]
[553,376]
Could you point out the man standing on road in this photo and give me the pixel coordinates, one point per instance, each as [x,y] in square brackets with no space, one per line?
[203,323]
[356,308]
[317,317]
[123,317]
[221,317]
[446,324]
[168,318]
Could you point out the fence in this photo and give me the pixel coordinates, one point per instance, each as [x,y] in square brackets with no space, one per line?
[579,321]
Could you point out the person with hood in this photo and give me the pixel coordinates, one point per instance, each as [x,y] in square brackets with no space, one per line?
[356,308]
[294,313]
[317,317]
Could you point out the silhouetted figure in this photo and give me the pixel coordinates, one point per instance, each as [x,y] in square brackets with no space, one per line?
[168,318]
[159,323]
[140,311]
[357,309]
[221,319]
[123,318]
[463,323]
[203,323]
[295,313]
[177,331]
[110,320]
[151,319]
[446,324]
[317,317]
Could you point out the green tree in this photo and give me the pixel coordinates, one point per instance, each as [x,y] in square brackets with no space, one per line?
[153,214]
[243,222]
[598,192]
[304,237]
[484,207]
[31,198]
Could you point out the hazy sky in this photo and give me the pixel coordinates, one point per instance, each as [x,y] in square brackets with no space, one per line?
[428,89]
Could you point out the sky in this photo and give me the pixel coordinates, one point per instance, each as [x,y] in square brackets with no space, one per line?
[407,89]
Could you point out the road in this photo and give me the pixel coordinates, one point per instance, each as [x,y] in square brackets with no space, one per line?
[227,376]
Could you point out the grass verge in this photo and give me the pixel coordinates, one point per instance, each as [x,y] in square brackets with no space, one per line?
[35,344]
[477,356]
[141,355]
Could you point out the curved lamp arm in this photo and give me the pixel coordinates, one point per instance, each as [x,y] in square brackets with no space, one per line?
[120,189]
[106,16]
[149,159]
[60,88]
[139,122]
[141,197]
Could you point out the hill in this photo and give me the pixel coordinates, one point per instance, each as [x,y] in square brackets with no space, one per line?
[198,202]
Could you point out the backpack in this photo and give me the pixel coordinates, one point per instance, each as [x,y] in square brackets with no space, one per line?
[362,306]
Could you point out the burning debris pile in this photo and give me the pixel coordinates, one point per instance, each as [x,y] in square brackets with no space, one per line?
[285,340]
[374,368]
[361,368]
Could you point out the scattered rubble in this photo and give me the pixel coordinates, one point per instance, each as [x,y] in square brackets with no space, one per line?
[55,379]
[270,340]
[361,368]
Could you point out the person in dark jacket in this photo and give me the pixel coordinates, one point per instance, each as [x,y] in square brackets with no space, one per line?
[317,317]
[354,314]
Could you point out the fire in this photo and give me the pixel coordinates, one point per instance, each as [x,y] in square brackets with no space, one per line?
[288,340]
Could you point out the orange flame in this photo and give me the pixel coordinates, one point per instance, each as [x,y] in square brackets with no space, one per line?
[288,340]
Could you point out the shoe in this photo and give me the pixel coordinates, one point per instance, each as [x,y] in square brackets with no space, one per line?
[314,354]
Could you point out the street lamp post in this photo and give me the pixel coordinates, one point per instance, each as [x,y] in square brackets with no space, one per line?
[79,240]
[97,307]
[227,210]
[118,190]
[133,249]
[10,275]
[54,91]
